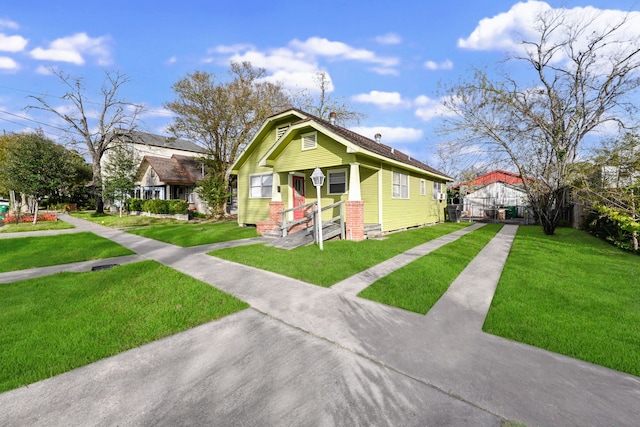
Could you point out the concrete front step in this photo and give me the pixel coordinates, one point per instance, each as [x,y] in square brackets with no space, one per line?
[305,237]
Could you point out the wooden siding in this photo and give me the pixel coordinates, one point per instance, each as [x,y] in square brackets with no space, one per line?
[369,190]
[414,211]
[253,210]
[328,153]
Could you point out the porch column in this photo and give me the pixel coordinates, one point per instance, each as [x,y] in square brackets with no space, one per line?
[354,182]
[354,207]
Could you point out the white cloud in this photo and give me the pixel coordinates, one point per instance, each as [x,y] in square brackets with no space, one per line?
[429,109]
[7,63]
[45,71]
[5,23]
[316,46]
[297,64]
[12,43]
[390,134]
[389,38]
[381,99]
[384,71]
[434,66]
[172,60]
[505,31]
[71,49]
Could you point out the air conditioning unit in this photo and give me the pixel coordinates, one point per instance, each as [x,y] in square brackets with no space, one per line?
[442,196]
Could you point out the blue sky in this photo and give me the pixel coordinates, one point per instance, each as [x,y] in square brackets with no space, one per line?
[386,58]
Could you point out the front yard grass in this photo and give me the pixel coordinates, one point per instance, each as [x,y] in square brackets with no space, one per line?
[126,221]
[40,225]
[339,259]
[418,286]
[43,251]
[197,234]
[53,324]
[572,294]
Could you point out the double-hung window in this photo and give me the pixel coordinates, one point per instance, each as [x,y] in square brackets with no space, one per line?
[261,186]
[400,185]
[423,187]
[437,189]
[337,180]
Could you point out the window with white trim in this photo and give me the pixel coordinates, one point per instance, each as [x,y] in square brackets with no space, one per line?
[400,185]
[261,186]
[309,141]
[437,189]
[423,187]
[337,181]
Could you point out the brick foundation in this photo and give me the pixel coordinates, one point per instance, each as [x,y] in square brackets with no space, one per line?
[354,219]
[265,226]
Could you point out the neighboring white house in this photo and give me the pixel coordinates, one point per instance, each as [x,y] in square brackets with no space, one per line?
[497,194]
[169,168]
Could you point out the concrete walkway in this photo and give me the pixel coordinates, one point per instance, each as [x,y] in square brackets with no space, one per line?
[306,355]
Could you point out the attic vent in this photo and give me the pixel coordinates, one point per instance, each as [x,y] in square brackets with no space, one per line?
[281,131]
[309,141]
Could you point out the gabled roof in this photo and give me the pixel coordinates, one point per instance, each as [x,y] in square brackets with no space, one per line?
[352,140]
[177,169]
[137,137]
[491,177]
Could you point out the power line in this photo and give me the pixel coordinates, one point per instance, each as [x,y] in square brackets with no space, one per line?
[30,120]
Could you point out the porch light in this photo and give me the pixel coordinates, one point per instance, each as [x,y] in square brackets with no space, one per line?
[317,177]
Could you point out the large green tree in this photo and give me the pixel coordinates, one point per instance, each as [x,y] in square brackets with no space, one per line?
[37,167]
[610,183]
[94,123]
[223,115]
[582,78]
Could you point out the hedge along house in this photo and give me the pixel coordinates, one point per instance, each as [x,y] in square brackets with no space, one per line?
[378,185]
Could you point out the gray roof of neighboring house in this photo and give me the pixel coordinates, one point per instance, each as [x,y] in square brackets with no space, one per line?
[138,137]
[180,169]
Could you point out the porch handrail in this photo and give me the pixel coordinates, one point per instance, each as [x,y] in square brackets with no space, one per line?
[284,224]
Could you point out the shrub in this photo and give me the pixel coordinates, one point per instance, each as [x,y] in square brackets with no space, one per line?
[615,227]
[134,205]
[180,207]
[11,219]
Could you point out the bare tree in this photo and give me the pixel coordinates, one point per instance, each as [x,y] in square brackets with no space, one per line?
[223,116]
[99,129]
[322,104]
[583,78]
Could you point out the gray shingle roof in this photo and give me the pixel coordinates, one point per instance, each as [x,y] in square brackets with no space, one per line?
[138,137]
[370,144]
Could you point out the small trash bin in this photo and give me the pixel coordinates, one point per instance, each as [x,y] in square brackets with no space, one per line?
[454,212]
[3,211]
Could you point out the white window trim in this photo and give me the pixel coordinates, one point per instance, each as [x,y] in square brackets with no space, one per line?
[250,186]
[423,187]
[315,144]
[393,196]
[346,180]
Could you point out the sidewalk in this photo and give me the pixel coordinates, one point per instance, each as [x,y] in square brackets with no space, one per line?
[307,355]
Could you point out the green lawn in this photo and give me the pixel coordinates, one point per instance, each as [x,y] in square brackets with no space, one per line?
[115,221]
[197,234]
[339,259]
[40,225]
[53,324]
[42,251]
[418,285]
[571,294]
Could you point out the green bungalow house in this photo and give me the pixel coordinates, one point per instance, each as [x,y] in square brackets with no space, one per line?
[378,185]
